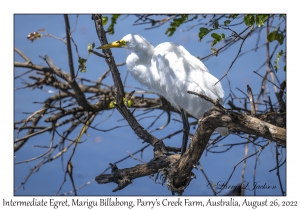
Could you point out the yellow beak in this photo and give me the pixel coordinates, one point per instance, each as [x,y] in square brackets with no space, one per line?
[116,44]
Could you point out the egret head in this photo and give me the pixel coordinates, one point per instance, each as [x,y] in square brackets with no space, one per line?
[130,41]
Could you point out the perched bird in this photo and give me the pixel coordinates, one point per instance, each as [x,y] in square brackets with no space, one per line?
[170,70]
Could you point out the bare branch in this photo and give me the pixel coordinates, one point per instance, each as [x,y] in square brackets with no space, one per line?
[251,99]
[22,55]
[280,95]
[123,177]
[240,49]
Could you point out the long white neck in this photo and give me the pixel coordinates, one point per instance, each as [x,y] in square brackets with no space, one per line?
[139,61]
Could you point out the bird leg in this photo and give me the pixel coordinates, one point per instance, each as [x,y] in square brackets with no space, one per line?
[186,130]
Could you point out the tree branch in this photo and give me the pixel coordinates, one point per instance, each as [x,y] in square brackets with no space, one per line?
[124,177]
[137,128]
[180,173]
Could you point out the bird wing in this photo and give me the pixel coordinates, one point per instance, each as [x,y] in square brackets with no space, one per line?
[175,71]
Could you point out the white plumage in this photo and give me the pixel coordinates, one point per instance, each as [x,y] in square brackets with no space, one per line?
[170,70]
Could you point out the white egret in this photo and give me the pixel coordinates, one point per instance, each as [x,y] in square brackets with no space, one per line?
[170,70]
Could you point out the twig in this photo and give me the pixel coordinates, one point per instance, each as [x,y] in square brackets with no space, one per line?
[69,49]
[252,104]
[98,54]
[237,55]
[279,96]
[22,55]
[277,171]
[215,102]
[266,79]
[221,48]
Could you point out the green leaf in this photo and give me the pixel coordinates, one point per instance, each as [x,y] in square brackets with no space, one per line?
[227,22]
[233,16]
[216,25]
[280,38]
[81,60]
[278,56]
[175,24]
[90,47]
[214,42]
[216,36]
[111,29]
[82,64]
[104,20]
[260,20]
[112,104]
[274,35]
[249,20]
[170,31]
[203,32]
[127,103]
